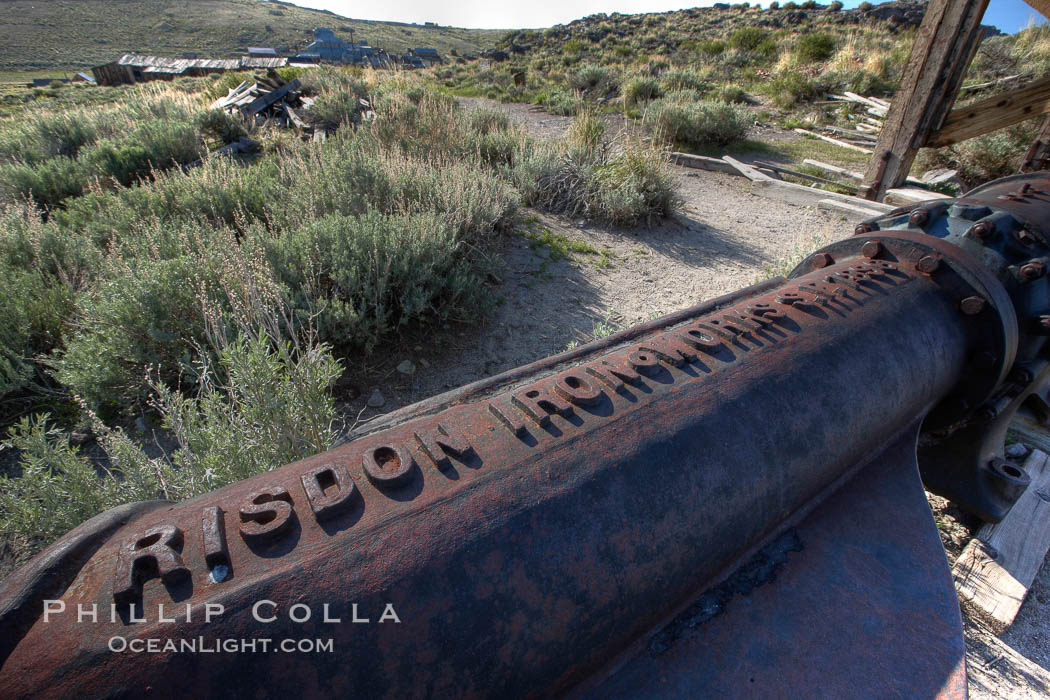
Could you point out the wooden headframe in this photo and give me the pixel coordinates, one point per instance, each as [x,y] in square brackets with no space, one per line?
[921,113]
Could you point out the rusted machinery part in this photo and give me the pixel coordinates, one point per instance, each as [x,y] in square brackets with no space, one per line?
[1002,229]
[530,532]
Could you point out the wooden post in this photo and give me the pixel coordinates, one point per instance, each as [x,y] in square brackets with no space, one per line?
[1043,6]
[1037,157]
[944,45]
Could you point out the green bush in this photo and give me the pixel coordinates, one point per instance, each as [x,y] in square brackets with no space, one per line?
[684,79]
[564,103]
[269,405]
[711,47]
[791,87]
[597,80]
[642,89]
[47,183]
[625,187]
[696,124]
[811,48]
[362,277]
[752,39]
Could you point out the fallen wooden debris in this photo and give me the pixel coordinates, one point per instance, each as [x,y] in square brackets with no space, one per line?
[852,174]
[996,569]
[750,172]
[834,141]
[981,86]
[853,134]
[264,101]
[854,213]
[902,196]
[805,176]
[703,163]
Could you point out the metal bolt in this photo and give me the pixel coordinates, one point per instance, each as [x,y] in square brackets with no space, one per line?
[1033,270]
[861,229]
[919,217]
[821,260]
[928,264]
[871,249]
[971,306]
[1021,375]
[982,230]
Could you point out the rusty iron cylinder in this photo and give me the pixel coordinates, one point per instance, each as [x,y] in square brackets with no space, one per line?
[523,535]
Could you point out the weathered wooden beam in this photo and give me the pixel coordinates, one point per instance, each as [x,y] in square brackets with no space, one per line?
[993,113]
[939,57]
[837,142]
[1041,6]
[689,160]
[995,571]
[1037,155]
[269,98]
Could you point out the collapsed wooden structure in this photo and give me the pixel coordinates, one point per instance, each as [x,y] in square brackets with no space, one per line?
[923,113]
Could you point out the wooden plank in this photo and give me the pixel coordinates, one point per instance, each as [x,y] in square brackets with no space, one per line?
[704,163]
[269,98]
[995,571]
[1031,432]
[834,141]
[902,196]
[809,197]
[293,117]
[939,57]
[994,113]
[853,133]
[746,170]
[834,169]
[852,212]
[805,176]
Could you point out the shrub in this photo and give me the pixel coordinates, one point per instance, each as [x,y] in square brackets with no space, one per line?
[362,277]
[572,46]
[711,47]
[586,131]
[791,87]
[731,94]
[624,188]
[748,38]
[269,405]
[814,47]
[148,315]
[564,103]
[683,79]
[696,123]
[47,183]
[593,79]
[641,89]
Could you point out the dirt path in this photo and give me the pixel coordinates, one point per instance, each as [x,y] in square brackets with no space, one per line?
[723,239]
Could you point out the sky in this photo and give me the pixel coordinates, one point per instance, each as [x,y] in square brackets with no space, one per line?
[1008,15]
